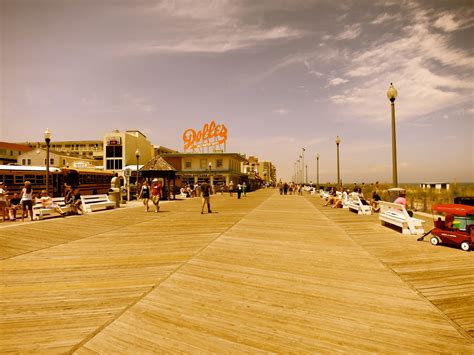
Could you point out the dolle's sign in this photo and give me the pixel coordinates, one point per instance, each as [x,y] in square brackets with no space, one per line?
[210,135]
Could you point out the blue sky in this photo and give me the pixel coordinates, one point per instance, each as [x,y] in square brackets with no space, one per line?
[281,75]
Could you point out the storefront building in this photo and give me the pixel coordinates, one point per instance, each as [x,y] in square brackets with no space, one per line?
[218,167]
[121,150]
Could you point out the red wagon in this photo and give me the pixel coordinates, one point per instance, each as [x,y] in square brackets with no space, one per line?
[456,228]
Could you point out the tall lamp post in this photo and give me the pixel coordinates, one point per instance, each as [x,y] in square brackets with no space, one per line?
[338,141]
[302,160]
[47,139]
[211,180]
[137,155]
[317,171]
[392,95]
[298,171]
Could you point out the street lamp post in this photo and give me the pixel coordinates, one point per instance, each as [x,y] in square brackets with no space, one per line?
[338,141]
[298,171]
[392,95]
[47,139]
[302,162]
[137,155]
[317,172]
[211,180]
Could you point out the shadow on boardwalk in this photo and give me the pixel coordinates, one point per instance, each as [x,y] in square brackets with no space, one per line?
[266,273]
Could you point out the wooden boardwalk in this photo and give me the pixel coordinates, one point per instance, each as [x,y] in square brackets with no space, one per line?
[266,273]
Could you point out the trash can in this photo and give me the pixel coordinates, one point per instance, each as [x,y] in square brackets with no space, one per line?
[114,196]
[114,191]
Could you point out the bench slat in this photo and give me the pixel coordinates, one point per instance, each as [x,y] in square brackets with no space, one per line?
[397,215]
[91,203]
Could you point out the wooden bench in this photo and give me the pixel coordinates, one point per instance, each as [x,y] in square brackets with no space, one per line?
[395,214]
[39,211]
[91,203]
[354,203]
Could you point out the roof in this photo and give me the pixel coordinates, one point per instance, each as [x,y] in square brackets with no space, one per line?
[5,168]
[454,209]
[14,146]
[237,156]
[157,164]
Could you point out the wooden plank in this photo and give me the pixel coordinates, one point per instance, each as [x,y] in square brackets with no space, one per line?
[264,273]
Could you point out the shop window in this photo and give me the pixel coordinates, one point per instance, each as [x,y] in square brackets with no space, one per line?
[187,164]
[219,163]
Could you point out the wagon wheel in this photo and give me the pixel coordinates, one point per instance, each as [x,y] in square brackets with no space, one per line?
[465,246]
[424,235]
[434,240]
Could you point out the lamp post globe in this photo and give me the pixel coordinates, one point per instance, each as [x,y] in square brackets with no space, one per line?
[47,139]
[392,95]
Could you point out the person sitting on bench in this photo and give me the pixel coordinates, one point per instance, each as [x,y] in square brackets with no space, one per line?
[47,202]
[401,200]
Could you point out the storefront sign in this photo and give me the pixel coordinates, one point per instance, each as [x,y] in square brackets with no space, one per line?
[210,135]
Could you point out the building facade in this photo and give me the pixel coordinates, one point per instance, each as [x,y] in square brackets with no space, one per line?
[264,171]
[9,152]
[121,148]
[220,168]
[90,149]
[37,157]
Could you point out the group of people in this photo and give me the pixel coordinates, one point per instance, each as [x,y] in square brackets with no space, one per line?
[290,188]
[337,199]
[24,201]
[153,193]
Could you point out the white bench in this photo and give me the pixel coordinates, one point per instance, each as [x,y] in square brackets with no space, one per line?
[91,203]
[354,203]
[323,194]
[395,214]
[39,211]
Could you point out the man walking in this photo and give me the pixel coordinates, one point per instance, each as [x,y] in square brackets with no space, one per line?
[206,196]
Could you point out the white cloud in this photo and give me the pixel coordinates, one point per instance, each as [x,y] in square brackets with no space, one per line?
[281,111]
[141,103]
[218,40]
[209,10]
[350,32]
[418,63]
[337,81]
[449,21]
[384,18]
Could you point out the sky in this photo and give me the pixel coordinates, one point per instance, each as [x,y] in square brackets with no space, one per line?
[282,75]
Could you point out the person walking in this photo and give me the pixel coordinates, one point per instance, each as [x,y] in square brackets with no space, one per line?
[239,190]
[3,201]
[27,200]
[145,195]
[156,190]
[244,189]
[231,188]
[206,196]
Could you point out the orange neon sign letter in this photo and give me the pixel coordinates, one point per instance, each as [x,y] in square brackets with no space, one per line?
[201,138]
